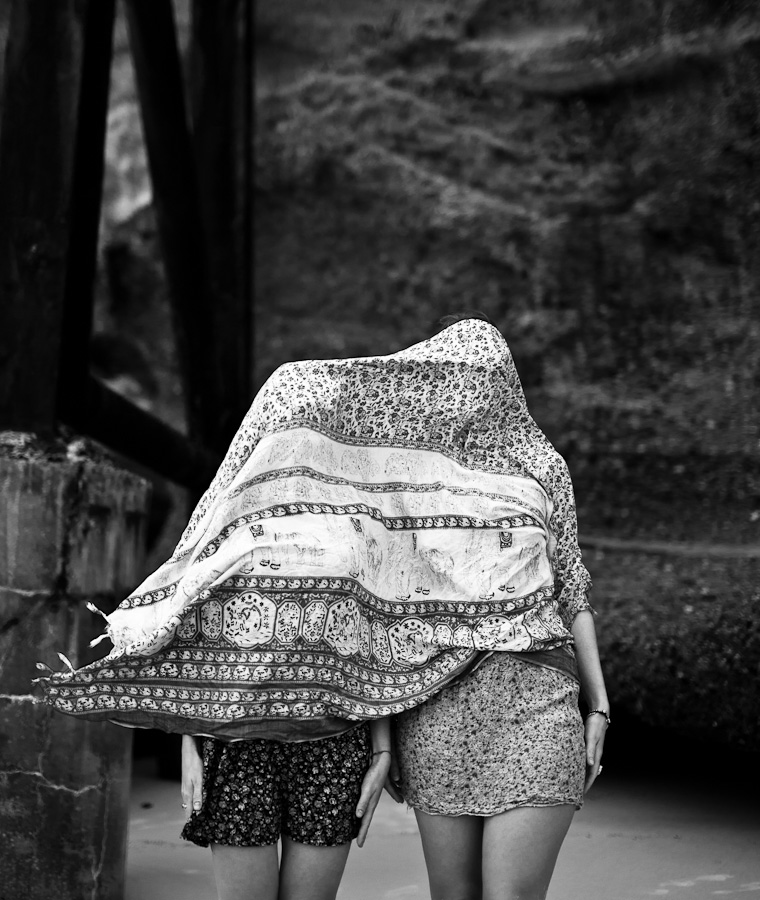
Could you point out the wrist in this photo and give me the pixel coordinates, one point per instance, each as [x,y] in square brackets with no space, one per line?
[601,711]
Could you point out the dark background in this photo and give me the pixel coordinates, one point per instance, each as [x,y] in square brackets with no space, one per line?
[582,171]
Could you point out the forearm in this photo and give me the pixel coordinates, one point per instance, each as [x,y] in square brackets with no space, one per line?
[380,730]
[190,746]
[589,666]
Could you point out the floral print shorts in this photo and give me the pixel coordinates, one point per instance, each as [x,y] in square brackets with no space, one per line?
[508,734]
[255,791]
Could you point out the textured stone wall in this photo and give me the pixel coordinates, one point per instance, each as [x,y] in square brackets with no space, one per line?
[71,531]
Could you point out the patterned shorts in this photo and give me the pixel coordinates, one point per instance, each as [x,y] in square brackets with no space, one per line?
[255,791]
[507,735]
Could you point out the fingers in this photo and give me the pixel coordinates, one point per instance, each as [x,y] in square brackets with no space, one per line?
[369,811]
[594,735]
[392,782]
[192,795]
[364,799]
[393,779]
[592,773]
[192,782]
[393,789]
[187,793]
[197,795]
[593,764]
[192,773]
[592,770]
[372,788]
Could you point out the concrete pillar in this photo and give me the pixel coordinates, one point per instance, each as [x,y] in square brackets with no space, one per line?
[71,530]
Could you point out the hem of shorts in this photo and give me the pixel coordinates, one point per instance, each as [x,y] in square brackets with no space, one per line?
[205,842]
[532,802]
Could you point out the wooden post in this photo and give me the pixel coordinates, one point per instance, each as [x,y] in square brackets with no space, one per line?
[181,228]
[41,91]
[5,11]
[137,435]
[221,92]
[87,188]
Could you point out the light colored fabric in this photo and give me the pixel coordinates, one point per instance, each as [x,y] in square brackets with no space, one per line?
[375,525]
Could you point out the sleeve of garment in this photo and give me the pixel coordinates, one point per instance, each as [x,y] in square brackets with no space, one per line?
[572,581]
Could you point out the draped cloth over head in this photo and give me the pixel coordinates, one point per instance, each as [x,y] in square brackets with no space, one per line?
[376,525]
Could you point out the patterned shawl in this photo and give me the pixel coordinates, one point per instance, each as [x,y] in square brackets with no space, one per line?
[377,523]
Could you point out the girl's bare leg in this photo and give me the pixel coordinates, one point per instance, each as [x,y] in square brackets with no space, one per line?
[453,850]
[520,849]
[255,873]
[245,873]
[311,873]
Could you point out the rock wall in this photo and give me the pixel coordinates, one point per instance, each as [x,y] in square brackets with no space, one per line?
[72,531]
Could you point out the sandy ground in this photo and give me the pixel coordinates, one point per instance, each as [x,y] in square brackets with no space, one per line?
[634,839]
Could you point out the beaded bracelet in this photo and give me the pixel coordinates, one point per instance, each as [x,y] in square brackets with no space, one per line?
[599,712]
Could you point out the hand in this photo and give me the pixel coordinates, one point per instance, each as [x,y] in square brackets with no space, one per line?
[392,781]
[192,775]
[372,788]
[595,730]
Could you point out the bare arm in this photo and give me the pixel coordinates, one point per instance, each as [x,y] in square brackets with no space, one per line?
[592,690]
[377,776]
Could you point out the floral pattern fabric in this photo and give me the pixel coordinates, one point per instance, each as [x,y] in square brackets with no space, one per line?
[256,791]
[376,525]
[507,735]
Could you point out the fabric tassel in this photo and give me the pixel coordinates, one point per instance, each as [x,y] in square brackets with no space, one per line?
[94,609]
[95,641]
[66,662]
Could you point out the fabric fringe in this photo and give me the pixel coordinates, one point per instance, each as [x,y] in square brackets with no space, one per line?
[101,637]
[94,609]
[67,662]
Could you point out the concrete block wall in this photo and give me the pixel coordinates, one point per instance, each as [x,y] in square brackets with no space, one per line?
[70,532]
